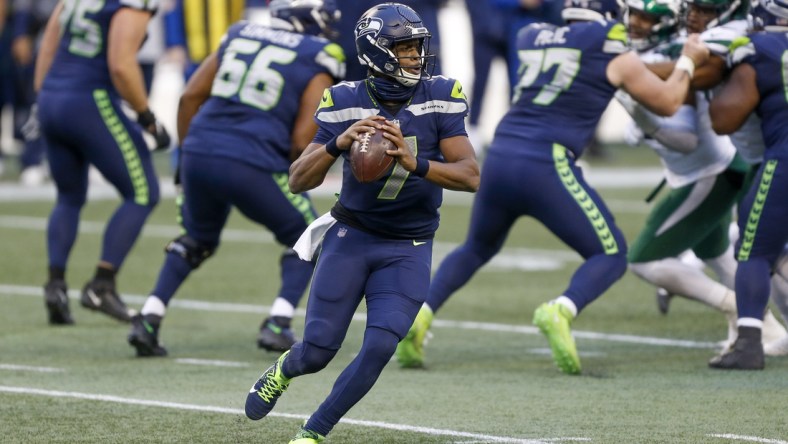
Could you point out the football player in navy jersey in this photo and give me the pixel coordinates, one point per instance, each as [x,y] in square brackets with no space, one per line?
[377,239]
[87,64]
[244,115]
[757,84]
[568,74]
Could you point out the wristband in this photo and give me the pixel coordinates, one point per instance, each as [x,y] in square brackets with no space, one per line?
[332,149]
[422,167]
[685,63]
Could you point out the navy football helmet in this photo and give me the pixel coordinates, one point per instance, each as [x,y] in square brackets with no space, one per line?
[769,15]
[314,17]
[384,26]
[591,10]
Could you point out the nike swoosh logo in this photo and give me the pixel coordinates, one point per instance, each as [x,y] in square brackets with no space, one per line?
[95,299]
[416,244]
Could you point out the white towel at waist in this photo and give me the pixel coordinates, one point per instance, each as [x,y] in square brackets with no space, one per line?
[312,237]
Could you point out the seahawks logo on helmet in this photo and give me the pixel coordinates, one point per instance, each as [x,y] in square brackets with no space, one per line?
[369,25]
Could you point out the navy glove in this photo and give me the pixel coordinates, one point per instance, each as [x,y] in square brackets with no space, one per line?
[148,121]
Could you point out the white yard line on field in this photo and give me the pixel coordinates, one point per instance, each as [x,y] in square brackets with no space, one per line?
[224,410]
[598,177]
[510,258]
[211,362]
[28,368]
[229,307]
[748,438]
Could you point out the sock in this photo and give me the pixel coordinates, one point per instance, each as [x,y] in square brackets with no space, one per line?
[282,308]
[752,323]
[568,303]
[154,306]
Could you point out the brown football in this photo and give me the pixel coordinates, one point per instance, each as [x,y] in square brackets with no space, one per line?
[368,159]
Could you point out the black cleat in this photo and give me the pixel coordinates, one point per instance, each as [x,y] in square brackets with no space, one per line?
[663,300]
[100,295]
[274,336]
[56,301]
[144,336]
[746,353]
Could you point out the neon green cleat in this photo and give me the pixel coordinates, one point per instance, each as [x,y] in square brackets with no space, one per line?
[305,436]
[553,320]
[410,351]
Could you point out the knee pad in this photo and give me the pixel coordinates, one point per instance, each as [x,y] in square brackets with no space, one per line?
[194,252]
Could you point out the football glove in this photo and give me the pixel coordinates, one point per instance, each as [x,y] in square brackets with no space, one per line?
[148,121]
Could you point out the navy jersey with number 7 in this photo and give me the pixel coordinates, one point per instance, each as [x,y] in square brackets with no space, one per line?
[398,205]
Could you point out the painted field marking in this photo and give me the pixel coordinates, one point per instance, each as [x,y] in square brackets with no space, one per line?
[228,307]
[747,438]
[224,410]
[211,362]
[509,258]
[28,368]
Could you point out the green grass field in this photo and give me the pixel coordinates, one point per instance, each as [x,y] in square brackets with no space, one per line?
[490,377]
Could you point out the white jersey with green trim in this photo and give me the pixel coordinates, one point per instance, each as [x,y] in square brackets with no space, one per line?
[748,140]
[719,38]
[713,153]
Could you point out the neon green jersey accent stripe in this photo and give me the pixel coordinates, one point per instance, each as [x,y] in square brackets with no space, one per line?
[618,32]
[738,42]
[335,51]
[179,201]
[584,200]
[754,218]
[327,101]
[126,145]
[456,91]
[298,201]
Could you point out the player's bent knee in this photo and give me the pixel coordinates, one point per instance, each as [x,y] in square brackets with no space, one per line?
[380,344]
[306,358]
[618,264]
[194,252]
